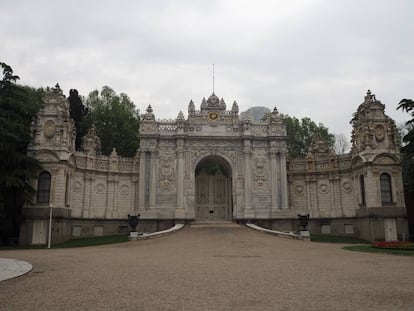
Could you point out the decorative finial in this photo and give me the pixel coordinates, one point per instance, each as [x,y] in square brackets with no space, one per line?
[235,107]
[191,107]
[180,116]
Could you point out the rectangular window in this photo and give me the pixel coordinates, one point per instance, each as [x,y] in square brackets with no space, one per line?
[386,192]
[43,187]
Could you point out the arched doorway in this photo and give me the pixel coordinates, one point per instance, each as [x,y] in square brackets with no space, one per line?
[213,190]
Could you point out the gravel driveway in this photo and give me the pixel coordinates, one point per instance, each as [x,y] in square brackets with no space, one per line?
[210,268]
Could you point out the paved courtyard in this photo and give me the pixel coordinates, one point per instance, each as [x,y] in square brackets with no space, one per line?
[210,268]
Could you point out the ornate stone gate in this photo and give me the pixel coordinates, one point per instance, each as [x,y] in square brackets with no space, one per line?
[214,166]
[250,181]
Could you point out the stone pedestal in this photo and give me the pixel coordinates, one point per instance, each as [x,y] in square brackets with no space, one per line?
[248,213]
[305,233]
[133,235]
[179,214]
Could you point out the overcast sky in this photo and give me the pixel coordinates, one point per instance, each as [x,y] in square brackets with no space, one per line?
[307,58]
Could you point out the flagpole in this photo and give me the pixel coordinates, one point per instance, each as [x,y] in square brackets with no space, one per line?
[50,225]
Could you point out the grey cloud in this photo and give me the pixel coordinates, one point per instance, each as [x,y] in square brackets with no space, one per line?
[307,58]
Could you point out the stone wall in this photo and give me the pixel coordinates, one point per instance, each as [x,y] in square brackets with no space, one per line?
[93,194]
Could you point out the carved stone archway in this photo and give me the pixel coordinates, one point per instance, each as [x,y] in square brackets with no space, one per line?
[213,191]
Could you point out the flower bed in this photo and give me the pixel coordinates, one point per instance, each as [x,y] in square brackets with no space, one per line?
[394,245]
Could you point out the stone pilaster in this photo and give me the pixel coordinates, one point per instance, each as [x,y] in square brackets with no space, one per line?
[142,181]
[283,181]
[153,180]
[179,211]
[274,178]
[248,211]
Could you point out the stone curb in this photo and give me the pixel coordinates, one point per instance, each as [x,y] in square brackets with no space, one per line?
[281,234]
[12,268]
[158,234]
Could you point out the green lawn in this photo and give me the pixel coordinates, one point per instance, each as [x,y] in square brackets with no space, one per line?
[336,239]
[372,249]
[92,241]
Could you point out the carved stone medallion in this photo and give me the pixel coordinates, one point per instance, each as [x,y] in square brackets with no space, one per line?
[49,129]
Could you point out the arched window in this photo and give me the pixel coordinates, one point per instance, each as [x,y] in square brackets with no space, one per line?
[386,191]
[43,187]
[362,184]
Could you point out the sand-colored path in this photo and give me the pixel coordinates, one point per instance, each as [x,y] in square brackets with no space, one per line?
[210,268]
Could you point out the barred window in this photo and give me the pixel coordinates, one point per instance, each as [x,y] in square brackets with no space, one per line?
[386,191]
[43,187]
[362,183]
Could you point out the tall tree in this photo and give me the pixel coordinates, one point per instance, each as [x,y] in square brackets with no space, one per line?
[115,119]
[18,106]
[408,148]
[300,133]
[77,112]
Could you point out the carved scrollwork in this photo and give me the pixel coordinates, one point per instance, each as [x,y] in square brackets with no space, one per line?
[260,171]
[167,172]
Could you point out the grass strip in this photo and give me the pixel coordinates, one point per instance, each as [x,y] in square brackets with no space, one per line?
[92,241]
[336,239]
[373,249]
[81,242]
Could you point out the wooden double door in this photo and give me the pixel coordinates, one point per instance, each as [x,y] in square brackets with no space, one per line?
[213,196]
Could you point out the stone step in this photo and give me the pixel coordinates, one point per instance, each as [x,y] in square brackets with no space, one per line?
[214,224]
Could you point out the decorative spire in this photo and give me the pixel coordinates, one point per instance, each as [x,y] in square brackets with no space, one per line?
[203,103]
[275,117]
[191,107]
[369,98]
[149,115]
[180,116]
[213,101]
[57,89]
[222,103]
[235,107]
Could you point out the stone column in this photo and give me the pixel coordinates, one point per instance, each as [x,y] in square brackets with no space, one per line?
[179,211]
[111,197]
[134,194]
[87,194]
[274,186]
[142,181]
[153,180]
[372,198]
[283,181]
[248,210]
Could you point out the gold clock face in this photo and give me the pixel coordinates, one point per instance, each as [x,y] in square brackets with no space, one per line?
[213,116]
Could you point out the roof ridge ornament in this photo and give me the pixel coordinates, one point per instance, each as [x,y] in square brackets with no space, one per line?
[149,115]
[370,98]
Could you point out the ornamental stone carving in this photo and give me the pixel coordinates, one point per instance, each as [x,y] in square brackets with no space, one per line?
[261,171]
[167,173]
[372,128]
[91,143]
[124,189]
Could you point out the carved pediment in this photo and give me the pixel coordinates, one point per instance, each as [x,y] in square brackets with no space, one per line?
[384,160]
[46,156]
